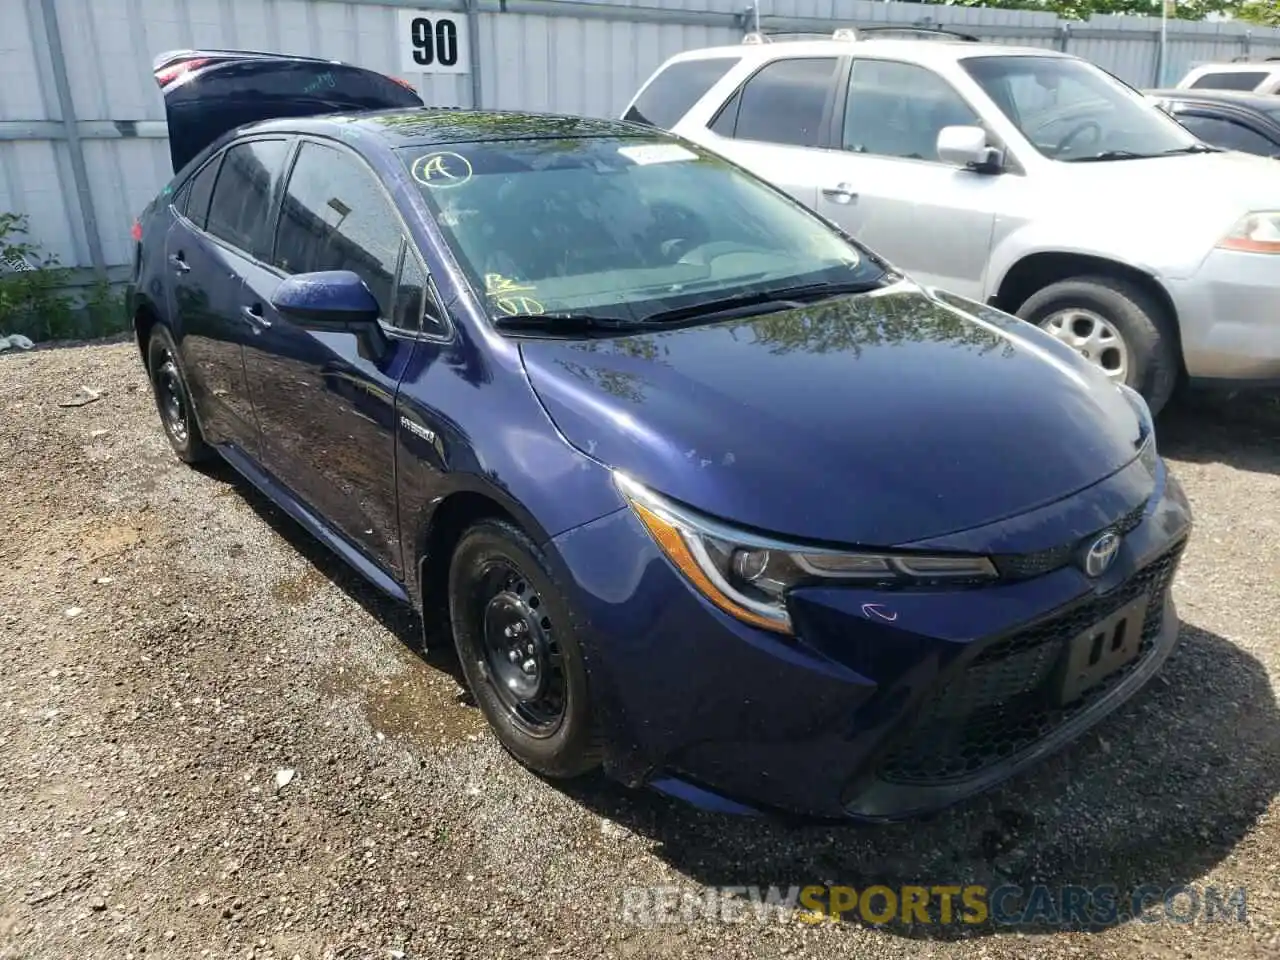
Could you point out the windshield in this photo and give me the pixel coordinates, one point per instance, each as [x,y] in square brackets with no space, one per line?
[1071,110]
[622,229]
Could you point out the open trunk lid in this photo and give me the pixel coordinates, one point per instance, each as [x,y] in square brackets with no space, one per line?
[208,92]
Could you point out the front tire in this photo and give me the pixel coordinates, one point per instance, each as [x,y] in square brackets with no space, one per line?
[1117,326]
[173,399]
[517,643]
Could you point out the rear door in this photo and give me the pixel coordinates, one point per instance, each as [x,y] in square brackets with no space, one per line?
[209,92]
[326,399]
[208,250]
[777,124]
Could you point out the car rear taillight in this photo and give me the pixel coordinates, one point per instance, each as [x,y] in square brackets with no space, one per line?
[404,83]
[169,74]
[136,232]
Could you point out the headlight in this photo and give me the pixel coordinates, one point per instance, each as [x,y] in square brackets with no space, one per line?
[1255,233]
[748,576]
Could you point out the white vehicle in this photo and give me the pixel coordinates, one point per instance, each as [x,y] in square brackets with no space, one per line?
[1245,76]
[1024,178]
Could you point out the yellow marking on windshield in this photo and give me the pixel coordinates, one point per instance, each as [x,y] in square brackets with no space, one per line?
[441,169]
[513,306]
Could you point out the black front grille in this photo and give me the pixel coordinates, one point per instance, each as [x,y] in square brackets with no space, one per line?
[1023,566]
[1000,702]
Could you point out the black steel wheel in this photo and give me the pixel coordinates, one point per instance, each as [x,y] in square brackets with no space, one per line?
[173,400]
[517,644]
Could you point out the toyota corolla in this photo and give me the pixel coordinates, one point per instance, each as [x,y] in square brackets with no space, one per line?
[710,495]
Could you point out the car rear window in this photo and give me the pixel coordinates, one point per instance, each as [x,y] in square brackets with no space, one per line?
[676,89]
[1230,80]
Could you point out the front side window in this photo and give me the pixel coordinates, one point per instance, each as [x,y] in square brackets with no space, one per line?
[336,217]
[671,94]
[1230,80]
[785,102]
[242,195]
[1072,111]
[898,109]
[1228,134]
[621,228]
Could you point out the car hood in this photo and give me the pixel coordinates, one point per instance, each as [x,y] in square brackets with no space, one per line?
[1233,183]
[875,419]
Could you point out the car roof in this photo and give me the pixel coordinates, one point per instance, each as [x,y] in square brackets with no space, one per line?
[1262,102]
[426,126]
[1238,66]
[933,50]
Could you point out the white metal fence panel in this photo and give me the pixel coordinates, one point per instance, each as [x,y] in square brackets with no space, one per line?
[82,182]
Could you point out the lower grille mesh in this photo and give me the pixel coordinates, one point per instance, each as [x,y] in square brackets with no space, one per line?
[999,704]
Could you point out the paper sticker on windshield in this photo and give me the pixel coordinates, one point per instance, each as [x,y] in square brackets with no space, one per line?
[657,153]
[441,169]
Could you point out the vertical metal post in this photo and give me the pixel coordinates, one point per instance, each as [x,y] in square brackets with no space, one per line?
[1162,53]
[79,170]
[473,50]
[1064,37]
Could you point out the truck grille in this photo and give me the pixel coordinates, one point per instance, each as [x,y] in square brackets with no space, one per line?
[1000,703]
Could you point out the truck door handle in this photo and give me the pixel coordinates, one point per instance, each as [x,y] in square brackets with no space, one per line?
[179,263]
[840,193]
[254,315]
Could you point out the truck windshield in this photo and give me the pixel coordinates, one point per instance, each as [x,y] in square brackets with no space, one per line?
[1072,111]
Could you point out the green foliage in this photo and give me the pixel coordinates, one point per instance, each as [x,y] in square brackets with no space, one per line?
[35,302]
[1265,12]
[1084,9]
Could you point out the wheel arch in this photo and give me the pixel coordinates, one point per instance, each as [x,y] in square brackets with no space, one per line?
[1035,271]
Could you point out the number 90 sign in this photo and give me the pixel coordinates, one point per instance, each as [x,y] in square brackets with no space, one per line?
[433,42]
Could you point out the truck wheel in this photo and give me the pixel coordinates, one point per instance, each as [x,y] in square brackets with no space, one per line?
[1115,325]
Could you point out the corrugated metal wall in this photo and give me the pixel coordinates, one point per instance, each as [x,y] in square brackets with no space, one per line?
[565,55]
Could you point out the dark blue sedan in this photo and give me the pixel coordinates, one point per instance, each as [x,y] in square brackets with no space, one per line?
[712,496]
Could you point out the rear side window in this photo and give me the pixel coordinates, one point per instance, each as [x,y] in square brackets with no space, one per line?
[785,102]
[676,89]
[242,197]
[1222,132]
[336,217]
[1231,80]
[195,196]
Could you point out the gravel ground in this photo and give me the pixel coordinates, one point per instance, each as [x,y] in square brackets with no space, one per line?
[171,645]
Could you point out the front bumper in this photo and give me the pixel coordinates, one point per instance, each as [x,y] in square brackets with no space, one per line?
[1229,313]
[859,715]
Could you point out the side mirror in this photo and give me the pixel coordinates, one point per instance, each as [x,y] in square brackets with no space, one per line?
[328,299]
[967,147]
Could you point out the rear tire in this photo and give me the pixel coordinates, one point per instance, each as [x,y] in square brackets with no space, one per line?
[173,399]
[1116,325]
[517,644]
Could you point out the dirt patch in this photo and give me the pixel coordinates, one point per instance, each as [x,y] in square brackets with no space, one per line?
[215,741]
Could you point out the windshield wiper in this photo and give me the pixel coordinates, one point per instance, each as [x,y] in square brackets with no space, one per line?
[1112,155]
[788,298]
[566,323]
[1194,148]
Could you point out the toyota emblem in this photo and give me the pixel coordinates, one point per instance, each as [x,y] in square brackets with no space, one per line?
[1101,554]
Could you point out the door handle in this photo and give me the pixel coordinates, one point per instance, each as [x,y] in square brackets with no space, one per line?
[179,263]
[840,193]
[254,315]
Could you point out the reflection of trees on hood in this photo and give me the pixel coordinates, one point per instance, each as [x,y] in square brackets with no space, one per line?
[849,325]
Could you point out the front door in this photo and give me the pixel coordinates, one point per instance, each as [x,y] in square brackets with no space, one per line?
[325,399]
[887,187]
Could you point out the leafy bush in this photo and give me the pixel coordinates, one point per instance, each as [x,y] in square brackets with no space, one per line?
[34,297]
